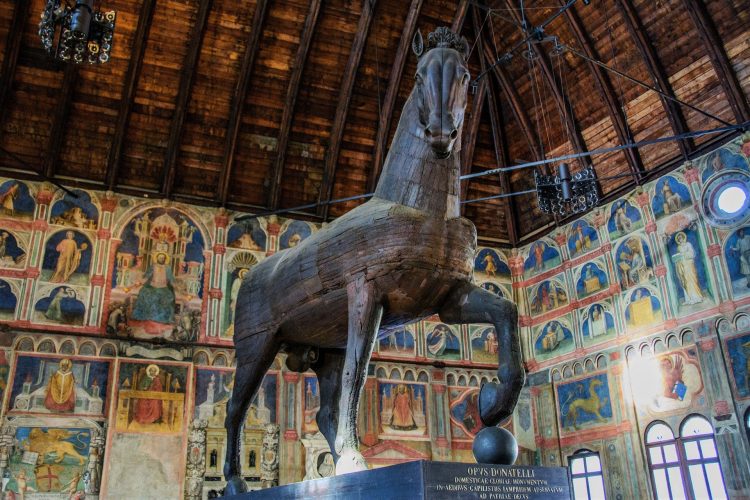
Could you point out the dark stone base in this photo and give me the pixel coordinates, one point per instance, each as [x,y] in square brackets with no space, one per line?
[430,480]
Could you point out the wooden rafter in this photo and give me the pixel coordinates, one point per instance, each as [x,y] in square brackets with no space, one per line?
[572,128]
[60,119]
[183,96]
[469,139]
[342,109]
[12,49]
[517,108]
[498,137]
[238,99]
[650,59]
[289,103]
[394,82]
[128,91]
[604,86]
[719,59]
[460,17]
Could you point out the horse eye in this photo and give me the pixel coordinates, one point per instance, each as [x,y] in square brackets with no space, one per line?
[418,79]
[465,79]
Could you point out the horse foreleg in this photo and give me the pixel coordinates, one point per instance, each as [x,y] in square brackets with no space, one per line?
[328,369]
[254,357]
[365,312]
[469,303]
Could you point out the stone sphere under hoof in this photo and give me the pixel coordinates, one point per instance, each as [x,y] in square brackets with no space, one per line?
[496,446]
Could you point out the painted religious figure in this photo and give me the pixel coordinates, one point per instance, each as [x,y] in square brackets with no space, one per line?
[490,264]
[484,345]
[670,196]
[689,271]
[213,388]
[403,409]
[584,403]
[643,308]
[62,306]
[294,233]
[553,339]
[67,258]
[67,385]
[582,238]
[158,275]
[151,398]
[542,256]
[681,383]
[442,342]
[624,218]
[16,201]
[310,405]
[592,279]
[60,468]
[464,413]
[494,288]
[75,210]
[237,268]
[547,296]
[12,255]
[737,256]
[633,261]
[598,324]
[738,352]
[8,301]
[247,235]
[721,159]
[397,342]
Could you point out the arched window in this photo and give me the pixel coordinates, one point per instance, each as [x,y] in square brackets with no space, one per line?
[664,462]
[586,475]
[702,458]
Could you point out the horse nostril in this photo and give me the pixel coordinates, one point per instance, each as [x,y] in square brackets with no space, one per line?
[427,132]
[454,134]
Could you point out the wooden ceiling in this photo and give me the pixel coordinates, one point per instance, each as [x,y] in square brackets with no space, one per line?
[259,104]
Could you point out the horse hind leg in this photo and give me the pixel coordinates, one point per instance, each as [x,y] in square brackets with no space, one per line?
[328,369]
[254,356]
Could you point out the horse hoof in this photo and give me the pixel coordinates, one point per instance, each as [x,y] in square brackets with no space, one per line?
[235,486]
[350,461]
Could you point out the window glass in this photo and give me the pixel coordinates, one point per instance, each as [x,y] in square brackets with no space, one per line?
[698,482]
[670,453]
[586,475]
[576,466]
[579,488]
[696,426]
[659,432]
[656,455]
[596,487]
[691,451]
[715,481]
[593,464]
[675,482]
[660,483]
[708,448]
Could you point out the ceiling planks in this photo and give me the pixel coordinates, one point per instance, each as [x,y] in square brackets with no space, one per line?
[60,120]
[183,97]
[342,108]
[12,49]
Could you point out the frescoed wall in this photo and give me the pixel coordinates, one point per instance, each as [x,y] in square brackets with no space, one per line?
[118,313]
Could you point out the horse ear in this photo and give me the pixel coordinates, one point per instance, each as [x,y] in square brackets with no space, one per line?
[417,44]
[464,48]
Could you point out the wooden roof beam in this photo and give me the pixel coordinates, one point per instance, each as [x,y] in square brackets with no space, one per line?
[719,60]
[604,86]
[289,103]
[342,109]
[128,91]
[238,99]
[498,137]
[394,82]
[12,49]
[519,111]
[60,120]
[469,138]
[460,17]
[648,54]
[570,123]
[183,96]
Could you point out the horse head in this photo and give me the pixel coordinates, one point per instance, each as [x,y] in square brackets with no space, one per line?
[441,84]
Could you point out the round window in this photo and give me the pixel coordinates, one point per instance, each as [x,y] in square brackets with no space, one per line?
[725,200]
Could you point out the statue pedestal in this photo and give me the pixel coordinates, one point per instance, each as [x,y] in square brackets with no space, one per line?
[431,480]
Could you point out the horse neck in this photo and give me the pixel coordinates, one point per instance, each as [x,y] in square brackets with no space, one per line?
[414,177]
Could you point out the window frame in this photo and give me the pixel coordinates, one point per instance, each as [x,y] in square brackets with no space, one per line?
[664,465]
[701,460]
[582,454]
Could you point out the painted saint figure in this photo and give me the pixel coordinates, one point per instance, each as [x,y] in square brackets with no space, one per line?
[622,221]
[402,417]
[742,251]
[489,265]
[687,274]
[8,198]
[54,309]
[61,389]
[672,201]
[68,258]
[148,411]
[156,298]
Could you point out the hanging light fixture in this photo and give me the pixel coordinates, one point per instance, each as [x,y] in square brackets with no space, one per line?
[565,194]
[84,34]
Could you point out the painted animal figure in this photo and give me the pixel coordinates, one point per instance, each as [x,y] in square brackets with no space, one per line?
[592,404]
[404,255]
[53,442]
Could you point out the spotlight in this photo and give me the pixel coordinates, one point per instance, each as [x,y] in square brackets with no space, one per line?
[77,34]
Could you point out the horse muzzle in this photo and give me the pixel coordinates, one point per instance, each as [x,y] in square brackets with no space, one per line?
[442,143]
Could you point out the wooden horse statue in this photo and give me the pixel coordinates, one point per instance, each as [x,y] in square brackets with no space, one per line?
[404,255]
